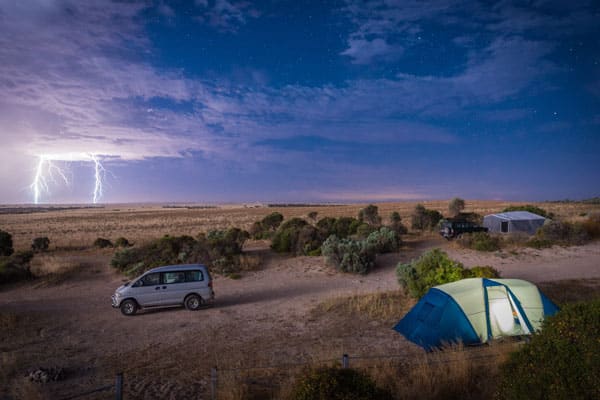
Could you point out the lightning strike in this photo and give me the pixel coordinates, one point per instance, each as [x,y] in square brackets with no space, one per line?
[98,175]
[47,172]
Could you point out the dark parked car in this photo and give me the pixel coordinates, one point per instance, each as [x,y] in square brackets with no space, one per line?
[451,229]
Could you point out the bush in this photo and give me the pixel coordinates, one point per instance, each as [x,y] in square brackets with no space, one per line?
[435,268]
[16,267]
[480,241]
[531,209]
[285,239]
[334,383]
[481,272]
[565,233]
[424,219]
[456,205]
[102,243]
[349,255]
[537,243]
[370,215]
[122,242]
[561,361]
[220,250]
[383,241]
[40,244]
[592,225]
[363,230]
[6,243]
[396,224]
[265,228]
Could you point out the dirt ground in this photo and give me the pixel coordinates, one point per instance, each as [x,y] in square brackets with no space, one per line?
[262,319]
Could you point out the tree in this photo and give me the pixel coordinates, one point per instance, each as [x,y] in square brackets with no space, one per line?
[456,206]
[425,219]
[370,215]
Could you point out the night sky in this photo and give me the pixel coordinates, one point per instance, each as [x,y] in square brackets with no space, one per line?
[299,101]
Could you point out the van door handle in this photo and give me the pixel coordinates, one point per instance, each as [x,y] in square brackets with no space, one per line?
[157,288]
[164,287]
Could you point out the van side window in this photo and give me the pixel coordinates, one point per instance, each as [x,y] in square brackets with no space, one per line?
[173,277]
[194,276]
[150,280]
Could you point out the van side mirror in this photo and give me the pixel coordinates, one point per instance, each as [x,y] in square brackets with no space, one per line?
[138,283]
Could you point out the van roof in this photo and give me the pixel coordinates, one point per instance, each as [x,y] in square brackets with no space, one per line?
[180,267]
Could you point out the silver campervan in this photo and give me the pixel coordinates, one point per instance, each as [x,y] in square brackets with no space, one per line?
[187,285]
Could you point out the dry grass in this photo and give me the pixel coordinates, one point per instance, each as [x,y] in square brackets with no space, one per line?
[78,228]
[383,306]
[572,290]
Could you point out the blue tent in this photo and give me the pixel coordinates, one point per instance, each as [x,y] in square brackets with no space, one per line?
[475,310]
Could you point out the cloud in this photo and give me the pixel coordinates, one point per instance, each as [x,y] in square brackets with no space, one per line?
[365,51]
[226,15]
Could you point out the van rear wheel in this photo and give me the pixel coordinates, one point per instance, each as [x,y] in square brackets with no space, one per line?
[193,302]
[129,307]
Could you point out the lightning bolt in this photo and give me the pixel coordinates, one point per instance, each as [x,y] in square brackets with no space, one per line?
[47,172]
[99,172]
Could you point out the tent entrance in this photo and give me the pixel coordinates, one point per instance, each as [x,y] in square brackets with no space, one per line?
[504,316]
[504,226]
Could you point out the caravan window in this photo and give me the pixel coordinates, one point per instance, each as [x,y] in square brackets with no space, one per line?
[504,226]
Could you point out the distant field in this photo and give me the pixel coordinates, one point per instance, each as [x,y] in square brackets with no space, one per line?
[74,227]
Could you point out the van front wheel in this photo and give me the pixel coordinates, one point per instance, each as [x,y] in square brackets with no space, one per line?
[129,307]
[193,302]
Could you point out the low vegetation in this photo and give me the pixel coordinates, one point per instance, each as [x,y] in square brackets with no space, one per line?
[480,241]
[435,268]
[102,243]
[358,256]
[16,267]
[219,249]
[122,242]
[424,219]
[560,362]
[6,243]
[335,383]
[382,306]
[40,244]
[265,228]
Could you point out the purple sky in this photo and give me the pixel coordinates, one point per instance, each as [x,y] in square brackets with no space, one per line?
[235,101]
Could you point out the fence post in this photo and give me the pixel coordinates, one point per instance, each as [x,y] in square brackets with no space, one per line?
[213,383]
[119,387]
[345,361]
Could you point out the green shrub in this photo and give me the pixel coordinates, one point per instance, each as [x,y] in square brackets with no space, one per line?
[396,224]
[436,268]
[220,250]
[334,383]
[265,228]
[383,240]
[480,241]
[349,255]
[6,243]
[424,219]
[122,242]
[481,272]
[40,244]
[370,215]
[538,243]
[16,267]
[565,233]
[327,225]
[560,362]
[102,243]
[344,227]
[363,230]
